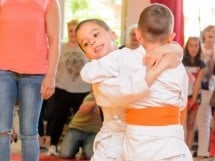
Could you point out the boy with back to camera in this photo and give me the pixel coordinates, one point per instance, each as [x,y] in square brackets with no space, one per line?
[97,41]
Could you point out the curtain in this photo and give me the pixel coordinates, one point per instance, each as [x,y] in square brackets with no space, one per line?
[176,7]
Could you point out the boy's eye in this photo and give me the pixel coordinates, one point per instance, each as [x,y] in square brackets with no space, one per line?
[85,44]
[95,34]
[71,31]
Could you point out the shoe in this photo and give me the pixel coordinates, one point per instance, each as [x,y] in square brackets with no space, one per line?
[203,158]
[53,151]
[44,143]
[14,137]
[47,141]
[43,149]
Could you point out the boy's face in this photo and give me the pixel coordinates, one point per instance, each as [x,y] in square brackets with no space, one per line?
[133,39]
[193,47]
[95,40]
[71,33]
[210,35]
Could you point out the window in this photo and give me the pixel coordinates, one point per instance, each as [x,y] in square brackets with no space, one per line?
[197,15]
[107,10]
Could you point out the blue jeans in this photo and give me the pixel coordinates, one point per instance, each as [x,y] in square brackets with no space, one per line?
[26,90]
[74,139]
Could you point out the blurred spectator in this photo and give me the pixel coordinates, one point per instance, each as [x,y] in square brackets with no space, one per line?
[195,68]
[204,112]
[131,40]
[82,130]
[70,89]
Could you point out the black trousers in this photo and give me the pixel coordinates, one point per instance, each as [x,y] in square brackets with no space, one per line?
[63,106]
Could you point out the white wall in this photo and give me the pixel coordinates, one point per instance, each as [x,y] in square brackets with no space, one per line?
[134,8]
[130,13]
[61,2]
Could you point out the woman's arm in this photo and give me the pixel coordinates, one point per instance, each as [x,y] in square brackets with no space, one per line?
[52,22]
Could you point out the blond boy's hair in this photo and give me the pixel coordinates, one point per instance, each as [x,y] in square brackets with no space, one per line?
[206,29]
[156,23]
[73,22]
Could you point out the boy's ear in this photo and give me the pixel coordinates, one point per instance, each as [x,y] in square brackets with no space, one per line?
[171,37]
[138,35]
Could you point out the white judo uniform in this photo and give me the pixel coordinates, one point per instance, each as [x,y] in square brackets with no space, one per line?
[119,81]
[159,143]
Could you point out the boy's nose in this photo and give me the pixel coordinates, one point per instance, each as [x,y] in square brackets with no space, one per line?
[93,42]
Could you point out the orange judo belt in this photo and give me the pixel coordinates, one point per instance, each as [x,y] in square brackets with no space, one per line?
[155,116]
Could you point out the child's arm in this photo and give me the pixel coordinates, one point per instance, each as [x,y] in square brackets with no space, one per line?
[112,76]
[116,92]
[134,85]
[100,69]
[161,58]
[131,87]
[197,86]
[88,104]
[168,61]
[174,50]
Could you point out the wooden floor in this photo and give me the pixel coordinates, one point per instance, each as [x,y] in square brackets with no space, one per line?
[16,149]
[43,157]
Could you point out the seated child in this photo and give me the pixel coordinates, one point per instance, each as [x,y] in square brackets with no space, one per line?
[82,129]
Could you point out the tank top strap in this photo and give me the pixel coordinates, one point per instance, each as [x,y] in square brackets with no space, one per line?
[2,1]
[44,3]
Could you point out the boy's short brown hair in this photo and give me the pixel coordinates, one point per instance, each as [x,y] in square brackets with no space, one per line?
[99,22]
[156,23]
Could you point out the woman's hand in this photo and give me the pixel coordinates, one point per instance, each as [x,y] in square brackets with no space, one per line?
[47,87]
